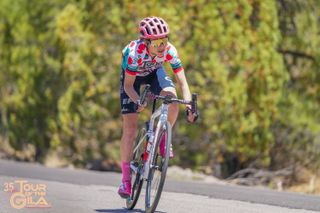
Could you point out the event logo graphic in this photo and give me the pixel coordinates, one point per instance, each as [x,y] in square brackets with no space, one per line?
[26,195]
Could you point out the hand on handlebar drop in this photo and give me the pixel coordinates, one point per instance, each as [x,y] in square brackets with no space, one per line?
[141,106]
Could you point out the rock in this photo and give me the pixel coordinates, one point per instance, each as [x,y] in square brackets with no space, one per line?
[53,160]
[179,173]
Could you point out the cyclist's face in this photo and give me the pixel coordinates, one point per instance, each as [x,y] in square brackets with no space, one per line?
[158,46]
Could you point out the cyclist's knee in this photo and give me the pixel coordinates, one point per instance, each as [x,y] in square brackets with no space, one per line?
[169,91]
[173,108]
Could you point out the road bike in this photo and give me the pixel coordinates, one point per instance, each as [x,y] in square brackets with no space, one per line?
[147,163]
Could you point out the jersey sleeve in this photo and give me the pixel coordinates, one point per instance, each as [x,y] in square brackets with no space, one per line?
[130,64]
[173,58]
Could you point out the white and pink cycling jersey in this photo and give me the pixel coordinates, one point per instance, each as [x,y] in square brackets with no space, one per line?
[136,59]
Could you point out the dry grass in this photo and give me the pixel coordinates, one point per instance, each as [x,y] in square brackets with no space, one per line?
[307,182]
[305,188]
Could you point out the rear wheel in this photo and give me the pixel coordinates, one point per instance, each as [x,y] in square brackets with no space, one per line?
[136,166]
[158,169]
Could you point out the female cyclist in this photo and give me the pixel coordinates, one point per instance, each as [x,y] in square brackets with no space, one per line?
[142,61]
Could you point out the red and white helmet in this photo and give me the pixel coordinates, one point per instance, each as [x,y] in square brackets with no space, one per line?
[153,28]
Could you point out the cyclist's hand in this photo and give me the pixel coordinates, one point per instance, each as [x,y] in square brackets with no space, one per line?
[191,117]
[140,107]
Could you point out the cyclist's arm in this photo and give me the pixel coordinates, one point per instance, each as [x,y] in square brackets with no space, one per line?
[183,84]
[128,87]
[175,62]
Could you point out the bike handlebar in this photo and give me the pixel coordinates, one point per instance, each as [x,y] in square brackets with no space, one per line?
[168,99]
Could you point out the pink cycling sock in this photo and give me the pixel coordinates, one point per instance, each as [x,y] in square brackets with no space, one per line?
[162,146]
[162,143]
[126,171]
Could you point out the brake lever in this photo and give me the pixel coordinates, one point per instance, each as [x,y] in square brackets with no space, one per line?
[144,93]
[194,108]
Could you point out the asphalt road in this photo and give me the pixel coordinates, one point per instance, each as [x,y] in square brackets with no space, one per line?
[72,190]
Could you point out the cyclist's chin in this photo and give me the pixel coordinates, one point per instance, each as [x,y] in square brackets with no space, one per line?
[160,54]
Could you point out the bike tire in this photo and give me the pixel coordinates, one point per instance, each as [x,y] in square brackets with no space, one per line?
[136,176]
[151,205]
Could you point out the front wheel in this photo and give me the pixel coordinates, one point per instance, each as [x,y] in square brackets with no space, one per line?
[158,169]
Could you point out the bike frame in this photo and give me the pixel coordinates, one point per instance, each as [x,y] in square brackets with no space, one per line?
[161,112]
[144,160]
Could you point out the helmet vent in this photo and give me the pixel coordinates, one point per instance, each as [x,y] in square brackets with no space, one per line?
[154,31]
[165,29]
[148,30]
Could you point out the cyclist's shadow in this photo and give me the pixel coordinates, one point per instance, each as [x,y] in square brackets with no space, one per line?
[123,210]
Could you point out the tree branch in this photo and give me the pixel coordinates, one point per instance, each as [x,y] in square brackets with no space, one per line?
[296,54]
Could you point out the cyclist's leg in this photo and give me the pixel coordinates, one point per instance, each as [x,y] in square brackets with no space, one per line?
[162,85]
[129,127]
